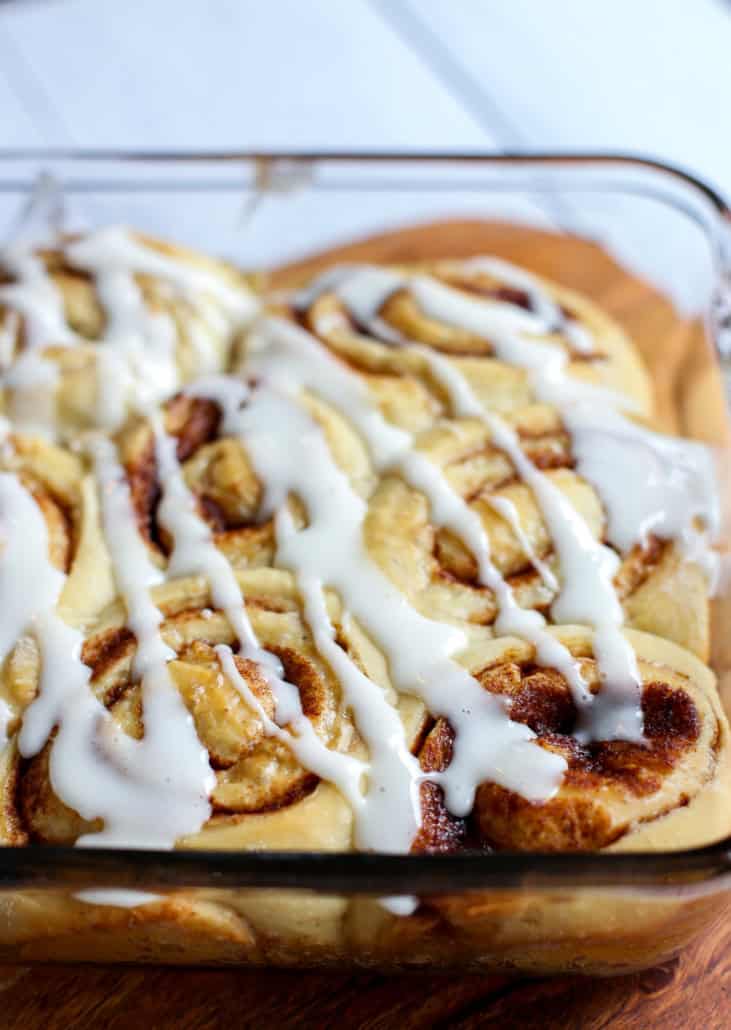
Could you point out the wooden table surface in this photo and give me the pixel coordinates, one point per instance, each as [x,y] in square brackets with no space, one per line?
[692,991]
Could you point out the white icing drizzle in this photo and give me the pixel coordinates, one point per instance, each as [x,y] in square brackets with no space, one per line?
[29,584]
[288,356]
[147,792]
[196,554]
[505,508]
[136,366]
[8,333]
[546,364]
[649,483]
[34,296]
[547,316]
[169,756]
[586,596]
[31,378]
[387,814]
[32,381]
[587,567]
[139,345]
[115,247]
[6,716]
[142,339]
[293,360]
[344,771]
[290,455]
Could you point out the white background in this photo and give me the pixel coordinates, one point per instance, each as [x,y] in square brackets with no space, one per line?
[652,76]
[649,75]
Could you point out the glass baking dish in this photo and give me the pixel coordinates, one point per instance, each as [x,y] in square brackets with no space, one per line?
[537,913]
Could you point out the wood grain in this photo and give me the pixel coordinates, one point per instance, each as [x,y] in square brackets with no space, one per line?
[693,991]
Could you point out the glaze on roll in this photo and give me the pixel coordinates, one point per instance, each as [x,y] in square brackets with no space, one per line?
[109,322]
[375,576]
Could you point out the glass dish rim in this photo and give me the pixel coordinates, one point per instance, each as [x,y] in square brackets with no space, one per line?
[694,871]
[615,160]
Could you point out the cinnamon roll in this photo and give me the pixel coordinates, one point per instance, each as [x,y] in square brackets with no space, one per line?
[110,321]
[615,794]
[258,778]
[522,349]
[367,314]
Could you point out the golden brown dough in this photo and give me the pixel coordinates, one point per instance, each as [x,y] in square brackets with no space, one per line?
[669,793]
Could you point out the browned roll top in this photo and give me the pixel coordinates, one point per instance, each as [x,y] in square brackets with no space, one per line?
[255,772]
[610,788]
